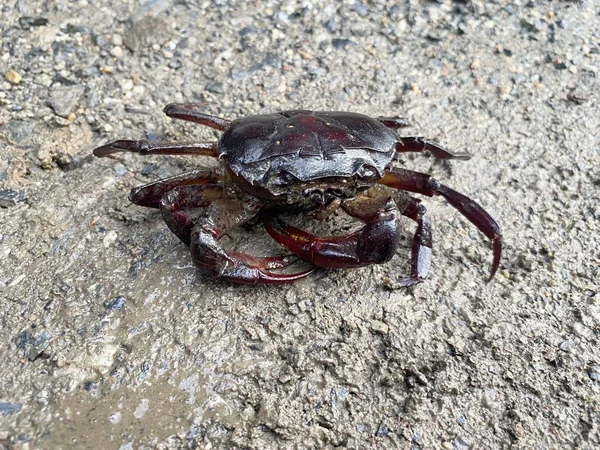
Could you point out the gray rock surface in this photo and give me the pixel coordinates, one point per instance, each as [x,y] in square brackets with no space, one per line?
[111,339]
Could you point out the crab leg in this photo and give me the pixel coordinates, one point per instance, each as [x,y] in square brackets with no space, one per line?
[150,194]
[420,183]
[375,243]
[394,122]
[177,205]
[421,144]
[201,230]
[189,112]
[145,147]
[422,241]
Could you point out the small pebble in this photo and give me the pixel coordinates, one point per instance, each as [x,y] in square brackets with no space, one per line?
[9,198]
[120,170]
[116,304]
[7,409]
[460,443]
[117,40]
[41,343]
[127,84]
[13,77]
[341,43]
[109,239]
[559,64]
[175,64]
[379,327]
[64,100]
[565,346]
[417,438]
[284,377]
[90,386]
[362,428]
[215,87]
[117,52]
[503,90]
[43,79]
[383,430]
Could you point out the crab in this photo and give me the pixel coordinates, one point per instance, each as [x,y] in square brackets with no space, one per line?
[300,161]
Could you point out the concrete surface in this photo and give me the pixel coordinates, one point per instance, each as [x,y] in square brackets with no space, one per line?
[111,339]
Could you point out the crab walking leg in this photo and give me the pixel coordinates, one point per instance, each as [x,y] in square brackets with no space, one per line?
[394,122]
[189,112]
[375,243]
[183,206]
[421,144]
[422,241]
[145,147]
[420,183]
[201,230]
[150,194]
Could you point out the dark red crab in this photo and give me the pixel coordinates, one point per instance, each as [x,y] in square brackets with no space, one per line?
[307,161]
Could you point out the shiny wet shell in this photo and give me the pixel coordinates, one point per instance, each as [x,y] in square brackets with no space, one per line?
[307,145]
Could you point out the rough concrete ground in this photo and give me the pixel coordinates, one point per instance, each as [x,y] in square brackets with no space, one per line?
[111,339]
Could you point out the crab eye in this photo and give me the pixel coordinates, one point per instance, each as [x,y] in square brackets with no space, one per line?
[283,179]
[367,172]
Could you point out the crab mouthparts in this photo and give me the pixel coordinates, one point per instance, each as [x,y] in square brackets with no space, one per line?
[326,195]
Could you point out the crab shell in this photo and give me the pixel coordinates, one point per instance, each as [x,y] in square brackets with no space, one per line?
[335,152]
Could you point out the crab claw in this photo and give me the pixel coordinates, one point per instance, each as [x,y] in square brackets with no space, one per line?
[253,275]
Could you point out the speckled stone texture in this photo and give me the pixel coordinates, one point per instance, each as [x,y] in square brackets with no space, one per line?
[111,339]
